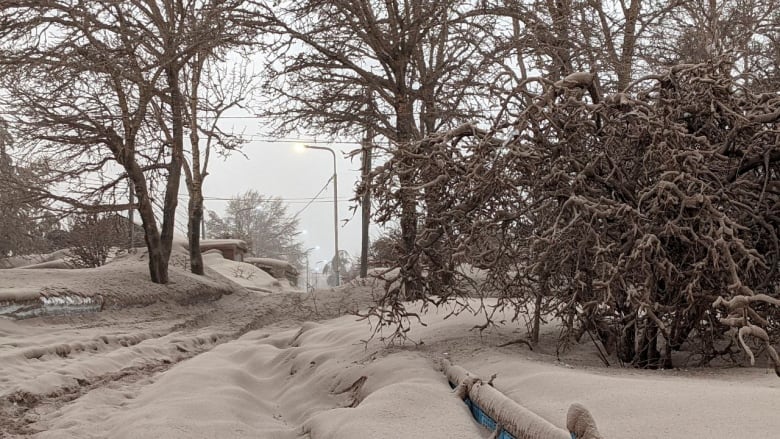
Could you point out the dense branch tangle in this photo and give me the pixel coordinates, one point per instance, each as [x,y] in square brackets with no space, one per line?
[625,217]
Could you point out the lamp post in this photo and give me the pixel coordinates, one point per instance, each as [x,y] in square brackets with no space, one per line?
[336,264]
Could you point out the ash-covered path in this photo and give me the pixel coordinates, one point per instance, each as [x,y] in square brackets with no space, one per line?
[287,365]
[50,364]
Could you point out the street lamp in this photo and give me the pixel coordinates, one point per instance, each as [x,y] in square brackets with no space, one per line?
[336,264]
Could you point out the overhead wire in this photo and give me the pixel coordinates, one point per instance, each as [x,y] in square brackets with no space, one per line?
[183,228]
[314,198]
[293,200]
[290,200]
[177,224]
[287,201]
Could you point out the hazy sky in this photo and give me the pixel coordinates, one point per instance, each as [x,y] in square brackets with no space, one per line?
[282,170]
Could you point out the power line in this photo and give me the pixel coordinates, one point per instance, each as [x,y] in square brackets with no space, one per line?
[314,198]
[262,138]
[293,200]
[271,198]
[287,201]
[177,224]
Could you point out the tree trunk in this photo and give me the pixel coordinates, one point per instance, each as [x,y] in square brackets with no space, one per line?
[626,343]
[175,165]
[667,360]
[648,357]
[440,278]
[624,68]
[669,345]
[158,263]
[537,319]
[560,12]
[410,270]
[195,210]
[192,173]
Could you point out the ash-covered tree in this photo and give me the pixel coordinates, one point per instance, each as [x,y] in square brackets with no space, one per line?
[24,222]
[210,84]
[214,88]
[558,38]
[385,250]
[400,69]
[653,205]
[81,90]
[631,216]
[263,223]
[93,237]
[747,29]
[90,85]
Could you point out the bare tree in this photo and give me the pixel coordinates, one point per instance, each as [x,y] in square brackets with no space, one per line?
[81,89]
[24,223]
[214,89]
[418,61]
[749,31]
[81,80]
[610,37]
[210,90]
[264,223]
[208,86]
[92,238]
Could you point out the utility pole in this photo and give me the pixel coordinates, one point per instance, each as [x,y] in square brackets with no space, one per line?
[366,180]
[337,261]
[366,201]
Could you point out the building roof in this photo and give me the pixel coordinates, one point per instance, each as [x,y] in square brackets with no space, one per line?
[222,243]
[270,262]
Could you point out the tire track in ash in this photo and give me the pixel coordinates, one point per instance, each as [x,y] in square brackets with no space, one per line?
[151,353]
[144,347]
[22,406]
